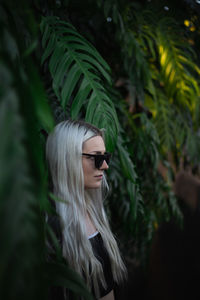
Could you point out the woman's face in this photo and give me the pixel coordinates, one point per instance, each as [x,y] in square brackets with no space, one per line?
[92,175]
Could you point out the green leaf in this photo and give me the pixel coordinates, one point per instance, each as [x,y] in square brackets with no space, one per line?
[77,70]
[126,163]
[79,99]
[49,47]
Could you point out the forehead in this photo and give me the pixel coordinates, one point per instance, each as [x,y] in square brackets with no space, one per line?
[94,144]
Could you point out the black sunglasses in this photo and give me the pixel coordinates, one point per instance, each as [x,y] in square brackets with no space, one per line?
[99,158]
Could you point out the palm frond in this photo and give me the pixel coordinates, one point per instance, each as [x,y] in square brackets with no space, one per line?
[77,70]
[177,66]
[135,201]
[126,163]
[164,119]
[174,86]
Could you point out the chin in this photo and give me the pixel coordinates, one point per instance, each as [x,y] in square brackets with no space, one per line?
[93,186]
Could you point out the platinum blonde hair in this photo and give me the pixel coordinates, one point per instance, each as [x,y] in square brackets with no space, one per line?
[64,155]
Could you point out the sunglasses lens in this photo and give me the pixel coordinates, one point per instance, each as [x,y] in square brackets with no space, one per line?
[99,159]
[107,158]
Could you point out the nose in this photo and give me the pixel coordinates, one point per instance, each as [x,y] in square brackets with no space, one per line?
[104,166]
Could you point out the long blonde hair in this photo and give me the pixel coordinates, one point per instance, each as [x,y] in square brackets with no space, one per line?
[64,155]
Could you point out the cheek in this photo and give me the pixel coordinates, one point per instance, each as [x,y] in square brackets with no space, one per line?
[88,173]
[84,165]
[87,168]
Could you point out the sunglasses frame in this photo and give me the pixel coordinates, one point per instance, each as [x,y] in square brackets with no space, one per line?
[99,158]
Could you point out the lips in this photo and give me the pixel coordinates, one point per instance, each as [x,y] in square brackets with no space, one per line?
[98,176]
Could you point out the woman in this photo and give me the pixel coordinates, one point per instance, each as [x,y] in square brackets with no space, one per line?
[77,159]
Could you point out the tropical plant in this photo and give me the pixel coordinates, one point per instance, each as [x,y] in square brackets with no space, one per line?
[126,66]
[161,68]
[25,271]
[77,71]
[161,76]
[81,76]
[75,79]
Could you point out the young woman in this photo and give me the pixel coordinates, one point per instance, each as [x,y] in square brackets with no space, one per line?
[77,159]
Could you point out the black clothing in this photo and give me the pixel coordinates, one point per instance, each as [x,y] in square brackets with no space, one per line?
[101,254]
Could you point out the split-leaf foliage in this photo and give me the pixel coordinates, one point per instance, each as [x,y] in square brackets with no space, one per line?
[59,61]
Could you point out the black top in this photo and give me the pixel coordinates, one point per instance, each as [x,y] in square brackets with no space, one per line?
[101,254]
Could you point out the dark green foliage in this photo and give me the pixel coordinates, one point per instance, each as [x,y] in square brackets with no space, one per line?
[77,71]
[154,63]
[130,67]
[24,270]
[20,221]
[90,93]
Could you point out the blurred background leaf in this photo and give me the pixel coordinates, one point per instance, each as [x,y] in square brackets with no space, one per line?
[130,67]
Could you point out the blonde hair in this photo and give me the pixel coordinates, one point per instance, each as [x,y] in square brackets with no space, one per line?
[64,155]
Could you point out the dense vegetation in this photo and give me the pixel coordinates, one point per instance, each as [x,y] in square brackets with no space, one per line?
[131,67]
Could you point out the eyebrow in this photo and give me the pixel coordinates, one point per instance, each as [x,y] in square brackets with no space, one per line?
[98,152]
